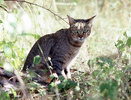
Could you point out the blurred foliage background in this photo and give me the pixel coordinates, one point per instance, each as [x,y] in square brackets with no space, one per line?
[21,24]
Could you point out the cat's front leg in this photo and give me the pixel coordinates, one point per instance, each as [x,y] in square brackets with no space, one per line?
[64,74]
[61,73]
[68,73]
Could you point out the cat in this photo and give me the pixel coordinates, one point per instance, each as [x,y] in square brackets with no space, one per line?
[61,47]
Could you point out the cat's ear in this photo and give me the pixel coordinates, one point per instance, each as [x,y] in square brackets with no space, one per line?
[71,20]
[90,20]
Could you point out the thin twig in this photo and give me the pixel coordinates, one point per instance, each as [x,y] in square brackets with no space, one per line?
[50,5]
[39,6]
[4,9]
[44,58]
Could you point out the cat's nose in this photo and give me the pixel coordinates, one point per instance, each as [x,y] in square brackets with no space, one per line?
[80,35]
[80,38]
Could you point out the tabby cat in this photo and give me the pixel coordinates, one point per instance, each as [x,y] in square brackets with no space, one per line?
[61,47]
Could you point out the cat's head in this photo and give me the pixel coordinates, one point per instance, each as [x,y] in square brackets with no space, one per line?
[80,28]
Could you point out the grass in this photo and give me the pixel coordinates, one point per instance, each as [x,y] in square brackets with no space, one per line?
[20,28]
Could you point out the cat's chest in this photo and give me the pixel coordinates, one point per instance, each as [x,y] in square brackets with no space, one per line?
[65,51]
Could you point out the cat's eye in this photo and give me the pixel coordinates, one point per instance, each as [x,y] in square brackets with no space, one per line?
[75,31]
[85,31]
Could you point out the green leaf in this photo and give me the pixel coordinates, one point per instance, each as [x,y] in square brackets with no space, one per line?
[37,60]
[37,36]
[2,2]
[128,43]
[4,96]
[66,84]
[1,21]
[109,89]
[95,73]
[8,67]
[13,92]
[90,63]
[76,1]
[102,58]
[61,86]
[120,45]
[70,84]
[51,76]
[61,78]
[125,34]
[15,11]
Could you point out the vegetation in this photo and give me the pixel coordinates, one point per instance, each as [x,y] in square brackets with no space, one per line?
[104,62]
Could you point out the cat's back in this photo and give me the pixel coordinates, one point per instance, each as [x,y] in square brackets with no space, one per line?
[45,43]
[60,34]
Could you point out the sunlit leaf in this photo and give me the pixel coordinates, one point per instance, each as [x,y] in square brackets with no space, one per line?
[15,11]
[1,21]
[4,96]
[13,92]
[8,67]
[76,1]
[7,50]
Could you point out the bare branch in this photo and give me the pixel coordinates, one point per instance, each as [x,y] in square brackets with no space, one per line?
[39,6]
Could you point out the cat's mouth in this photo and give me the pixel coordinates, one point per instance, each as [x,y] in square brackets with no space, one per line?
[79,39]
